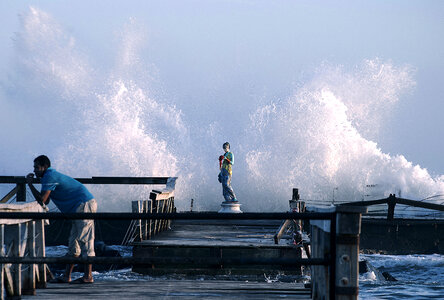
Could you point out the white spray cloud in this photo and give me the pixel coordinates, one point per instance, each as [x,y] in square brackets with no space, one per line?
[321,138]
[313,140]
[93,125]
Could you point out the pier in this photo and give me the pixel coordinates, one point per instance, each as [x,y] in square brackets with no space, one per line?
[172,289]
[223,248]
[210,243]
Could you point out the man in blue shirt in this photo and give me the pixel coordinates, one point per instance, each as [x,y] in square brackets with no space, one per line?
[70,196]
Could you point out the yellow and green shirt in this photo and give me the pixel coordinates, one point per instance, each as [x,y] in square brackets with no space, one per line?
[226,164]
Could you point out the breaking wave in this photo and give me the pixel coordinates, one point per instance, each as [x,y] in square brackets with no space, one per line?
[97,122]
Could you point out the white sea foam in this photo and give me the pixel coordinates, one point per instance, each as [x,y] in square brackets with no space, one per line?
[322,138]
[418,277]
[318,139]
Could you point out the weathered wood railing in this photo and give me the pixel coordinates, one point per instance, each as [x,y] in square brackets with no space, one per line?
[21,238]
[26,238]
[159,202]
[339,239]
[295,206]
[334,256]
[20,181]
[391,202]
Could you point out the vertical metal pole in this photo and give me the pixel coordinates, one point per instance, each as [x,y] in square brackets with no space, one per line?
[332,287]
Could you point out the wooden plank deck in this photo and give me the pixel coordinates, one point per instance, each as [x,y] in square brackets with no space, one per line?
[172,289]
[215,243]
[222,235]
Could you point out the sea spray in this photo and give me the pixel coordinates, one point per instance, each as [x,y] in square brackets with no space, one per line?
[90,123]
[313,139]
[97,121]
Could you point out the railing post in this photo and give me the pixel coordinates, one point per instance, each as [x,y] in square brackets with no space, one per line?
[145,222]
[338,239]
[137,207]
[333,257]
[348,228]
[320,248]
[150,221]
[2,253]
[391,207]
[40,252]
[28,287]
[16,232]
[21,192]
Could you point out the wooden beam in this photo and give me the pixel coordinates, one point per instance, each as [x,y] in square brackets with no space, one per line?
[391,207]
[365,203]
[2,253]
[9,195]
[15,252]
[12,179]
[95,180]
[21,192]
[124,180]
[28,281]
[421,204]
[9,282]
[137,207]
[281,230]
[40,252]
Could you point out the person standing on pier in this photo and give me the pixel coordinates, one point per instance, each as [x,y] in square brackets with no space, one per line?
[70,196]
[226,162]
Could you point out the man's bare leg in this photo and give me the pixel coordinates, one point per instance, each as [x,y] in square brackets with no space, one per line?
[87,276]
[68,271]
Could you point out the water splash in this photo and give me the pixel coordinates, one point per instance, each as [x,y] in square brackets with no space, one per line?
[95,122]
[92,123]
[316,140]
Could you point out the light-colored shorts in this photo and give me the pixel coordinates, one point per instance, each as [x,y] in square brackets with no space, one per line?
[81,238]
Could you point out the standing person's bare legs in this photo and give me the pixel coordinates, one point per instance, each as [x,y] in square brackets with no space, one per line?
[68,271]
[85,239]
[87,276]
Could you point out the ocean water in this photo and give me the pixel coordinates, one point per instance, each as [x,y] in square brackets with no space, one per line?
[418,277]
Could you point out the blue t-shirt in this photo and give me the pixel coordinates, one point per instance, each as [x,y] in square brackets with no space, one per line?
[66,192]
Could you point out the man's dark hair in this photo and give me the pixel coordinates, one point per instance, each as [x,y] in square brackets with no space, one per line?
[226,144]
[43,161]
